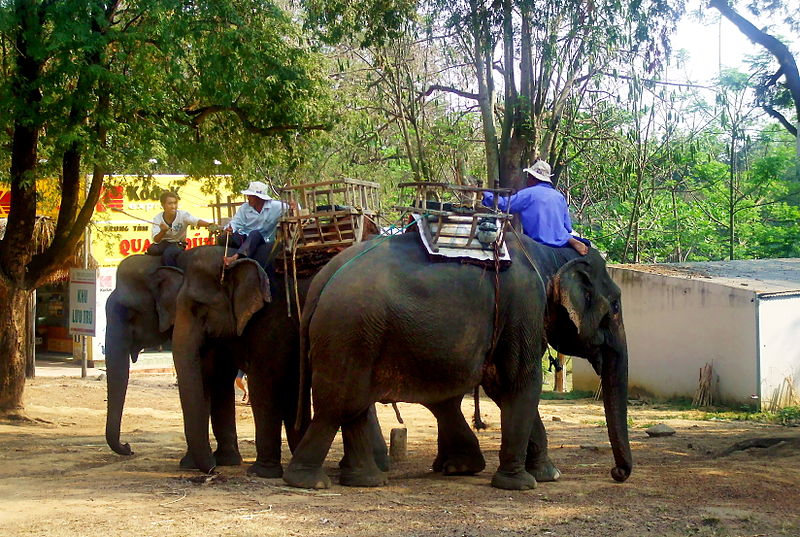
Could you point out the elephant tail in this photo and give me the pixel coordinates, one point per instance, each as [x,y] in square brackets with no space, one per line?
[304,392]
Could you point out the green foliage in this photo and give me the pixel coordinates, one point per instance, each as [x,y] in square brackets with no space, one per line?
[658,189]
[789,416]
[185,83]
[372,22]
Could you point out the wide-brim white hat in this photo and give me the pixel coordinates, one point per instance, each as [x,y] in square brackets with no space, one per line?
[257,189]
[540,170]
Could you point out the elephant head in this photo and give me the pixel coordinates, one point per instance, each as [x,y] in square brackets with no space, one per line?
[210,307]
[584,318]
[139,313]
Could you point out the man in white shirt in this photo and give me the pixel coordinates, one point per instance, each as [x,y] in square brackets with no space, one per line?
[254,223]
[169,230]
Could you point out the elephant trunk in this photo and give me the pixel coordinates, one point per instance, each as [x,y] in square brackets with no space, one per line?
[614,376]
[117,372]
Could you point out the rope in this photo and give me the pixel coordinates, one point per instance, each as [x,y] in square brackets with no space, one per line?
[224,254]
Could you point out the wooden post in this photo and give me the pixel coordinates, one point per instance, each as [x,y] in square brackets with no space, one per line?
[559,380]
[398,444]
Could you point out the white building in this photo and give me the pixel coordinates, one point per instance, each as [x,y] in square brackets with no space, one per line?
[742,317]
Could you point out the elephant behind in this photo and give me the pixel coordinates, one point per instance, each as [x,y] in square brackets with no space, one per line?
[246,314]
[383,323]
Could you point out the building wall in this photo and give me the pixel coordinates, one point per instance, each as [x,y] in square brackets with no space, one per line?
[779,330]
[674,327]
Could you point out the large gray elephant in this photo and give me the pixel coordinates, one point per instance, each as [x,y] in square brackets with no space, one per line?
[139,314]
[383,323]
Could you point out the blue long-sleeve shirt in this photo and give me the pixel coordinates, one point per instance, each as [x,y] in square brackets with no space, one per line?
[542,210]
[248,219]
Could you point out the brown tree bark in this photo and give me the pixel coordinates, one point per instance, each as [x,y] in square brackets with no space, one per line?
[22,269]
[12,342]
[16,248]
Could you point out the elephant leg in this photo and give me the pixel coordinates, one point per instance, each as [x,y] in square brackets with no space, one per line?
[264,401]
[459,452]
[516,419]
[223,415]
[305,468]
[380,451]
[194,399]
[537,461]
[360,469]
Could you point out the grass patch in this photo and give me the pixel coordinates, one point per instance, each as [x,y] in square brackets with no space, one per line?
[784,416]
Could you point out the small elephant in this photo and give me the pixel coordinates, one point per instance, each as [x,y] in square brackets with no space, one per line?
[383,323]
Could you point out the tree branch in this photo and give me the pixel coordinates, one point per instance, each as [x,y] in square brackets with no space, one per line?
[199,115]
[774,46]
[781,118]
[464,94]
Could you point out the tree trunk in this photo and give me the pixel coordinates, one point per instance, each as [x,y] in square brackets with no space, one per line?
[483,71]
[30,346]
[13,325]
[731,198]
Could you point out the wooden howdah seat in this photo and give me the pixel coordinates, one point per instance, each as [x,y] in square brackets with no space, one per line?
[331,216]
[454,224]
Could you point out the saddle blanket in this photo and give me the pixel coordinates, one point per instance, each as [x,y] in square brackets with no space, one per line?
[452,242]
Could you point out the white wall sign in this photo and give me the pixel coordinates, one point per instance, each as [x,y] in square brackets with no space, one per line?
[82,305]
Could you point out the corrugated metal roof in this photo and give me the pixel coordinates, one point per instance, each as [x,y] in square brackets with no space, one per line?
[762,276]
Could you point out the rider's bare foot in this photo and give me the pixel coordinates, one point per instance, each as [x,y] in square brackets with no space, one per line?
[579,246]
[230,259]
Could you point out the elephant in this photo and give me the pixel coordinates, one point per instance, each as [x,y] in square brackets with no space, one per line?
[384,323]
[246,314]
[139,314]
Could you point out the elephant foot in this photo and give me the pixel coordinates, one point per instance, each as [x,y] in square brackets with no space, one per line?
[266,470]
[545,472]
[228,458]
[352,477]
[382,461]
[306,477]
[188,463]
[521,480]
[459,464]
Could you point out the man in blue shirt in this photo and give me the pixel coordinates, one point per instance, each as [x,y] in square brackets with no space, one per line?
[254,223]
[541,209]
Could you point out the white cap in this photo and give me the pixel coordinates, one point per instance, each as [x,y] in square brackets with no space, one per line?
[257,189]
[540,170]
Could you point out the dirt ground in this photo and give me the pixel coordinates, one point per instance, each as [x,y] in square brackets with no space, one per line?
[58,478]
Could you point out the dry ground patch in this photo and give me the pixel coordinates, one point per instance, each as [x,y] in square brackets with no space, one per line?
[58,478]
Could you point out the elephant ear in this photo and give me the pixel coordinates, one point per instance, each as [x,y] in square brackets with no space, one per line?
[249,290]
[164,286]
[573,288]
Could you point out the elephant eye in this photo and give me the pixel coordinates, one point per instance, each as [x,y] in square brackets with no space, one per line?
[587,298]
[615,306]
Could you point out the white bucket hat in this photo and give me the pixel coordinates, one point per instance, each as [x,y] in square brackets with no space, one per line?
[257,189]
[540,170]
